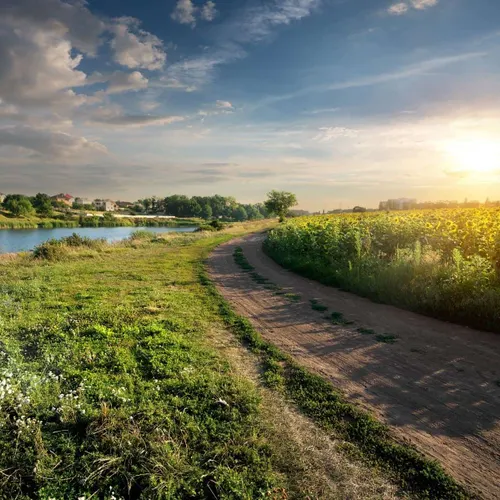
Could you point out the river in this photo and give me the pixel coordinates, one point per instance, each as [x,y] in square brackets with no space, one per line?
[18,240]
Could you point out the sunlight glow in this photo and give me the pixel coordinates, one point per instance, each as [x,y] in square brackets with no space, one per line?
[475,156]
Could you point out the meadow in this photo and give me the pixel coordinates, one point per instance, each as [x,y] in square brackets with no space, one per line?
[443,263]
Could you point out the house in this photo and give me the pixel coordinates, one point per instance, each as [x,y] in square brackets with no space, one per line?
[82,201]
[2,197]
[67,199]
[105,205]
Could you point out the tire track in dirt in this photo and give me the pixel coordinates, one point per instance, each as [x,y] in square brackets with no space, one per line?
[438,386]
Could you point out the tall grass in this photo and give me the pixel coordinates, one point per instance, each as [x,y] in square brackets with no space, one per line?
[401,260]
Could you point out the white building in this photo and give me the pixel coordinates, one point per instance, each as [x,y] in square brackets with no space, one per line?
[105,205]
[2,197]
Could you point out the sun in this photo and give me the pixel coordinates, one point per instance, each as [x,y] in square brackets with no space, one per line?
[475,155]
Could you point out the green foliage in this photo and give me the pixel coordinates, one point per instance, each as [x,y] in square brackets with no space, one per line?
[109,387]
[54,250]
[443,263]
[18,204]
[316,306]
[43,205]
[279,202]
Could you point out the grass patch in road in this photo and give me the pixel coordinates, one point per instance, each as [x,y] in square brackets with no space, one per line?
[366,331]
[316,306]
[386,338]
[338,318]
[292,297]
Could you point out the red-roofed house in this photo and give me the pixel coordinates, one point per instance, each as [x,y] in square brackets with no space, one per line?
[64,198]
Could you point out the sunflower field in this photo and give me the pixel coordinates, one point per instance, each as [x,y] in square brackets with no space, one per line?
[444,262]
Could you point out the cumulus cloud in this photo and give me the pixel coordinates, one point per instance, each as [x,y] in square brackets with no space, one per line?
[423,4]
[120,81]
[74,20]
[401,8]
[37,66]
[134,47]
[208,11]
[185,12]
[49,143]
[398,9]
[224,105]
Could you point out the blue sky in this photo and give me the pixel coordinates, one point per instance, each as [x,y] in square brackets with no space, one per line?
[343,102]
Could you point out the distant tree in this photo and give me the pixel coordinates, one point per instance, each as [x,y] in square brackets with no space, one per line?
[42,204]
[279,202]
[206,211]
[253,212]
[239,213]
[359,209]
[18,204]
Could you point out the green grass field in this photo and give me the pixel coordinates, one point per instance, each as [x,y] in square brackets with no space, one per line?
[108,385]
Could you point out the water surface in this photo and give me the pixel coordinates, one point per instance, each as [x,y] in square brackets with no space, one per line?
[18,240]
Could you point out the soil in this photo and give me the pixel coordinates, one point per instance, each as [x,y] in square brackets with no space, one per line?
[437,386]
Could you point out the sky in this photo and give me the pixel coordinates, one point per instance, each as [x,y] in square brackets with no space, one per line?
[343,102]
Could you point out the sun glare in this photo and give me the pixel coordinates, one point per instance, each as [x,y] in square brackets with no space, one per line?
[476,156]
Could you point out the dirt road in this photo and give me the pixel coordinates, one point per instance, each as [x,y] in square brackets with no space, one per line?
[438,386]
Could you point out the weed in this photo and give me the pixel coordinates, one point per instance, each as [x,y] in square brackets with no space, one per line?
[386,338]
[293,297]
[316,306]
[339,319]
[366,331]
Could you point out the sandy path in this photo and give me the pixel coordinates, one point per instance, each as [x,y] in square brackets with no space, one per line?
[438,386]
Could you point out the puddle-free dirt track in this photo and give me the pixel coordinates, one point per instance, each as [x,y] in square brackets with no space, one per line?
[438,386]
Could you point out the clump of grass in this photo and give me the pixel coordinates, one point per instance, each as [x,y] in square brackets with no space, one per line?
[293,297]
[386,338]
[142,234]
[316,306]
[366,331]
[54,250]
[339,319]
[241,260]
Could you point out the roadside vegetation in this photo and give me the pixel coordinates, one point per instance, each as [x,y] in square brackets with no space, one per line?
[117,381]
[443,263]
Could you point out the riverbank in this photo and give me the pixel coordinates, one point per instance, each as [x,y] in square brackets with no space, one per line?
[33,222]
[120,376]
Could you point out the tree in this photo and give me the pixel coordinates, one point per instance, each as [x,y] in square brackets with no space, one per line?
[206,212]
[279,202]
[18,204]
[42,204]
[240,214]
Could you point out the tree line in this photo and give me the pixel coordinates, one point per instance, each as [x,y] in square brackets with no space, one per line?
[206,207]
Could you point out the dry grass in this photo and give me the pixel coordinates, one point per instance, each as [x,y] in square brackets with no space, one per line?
[308,458]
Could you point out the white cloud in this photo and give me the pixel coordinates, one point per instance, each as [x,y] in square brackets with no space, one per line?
[321,111]
[49,143]
[253,24]
[115,116]
[208,11]
[398,9]
[224,105]
[331,133]
[124,82]
[73,20]
[423,4]
[184,12]
[37,66]
[134,47]
[401,8]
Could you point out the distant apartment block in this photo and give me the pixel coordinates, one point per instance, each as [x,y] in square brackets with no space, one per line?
[105,205]
[398,204]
